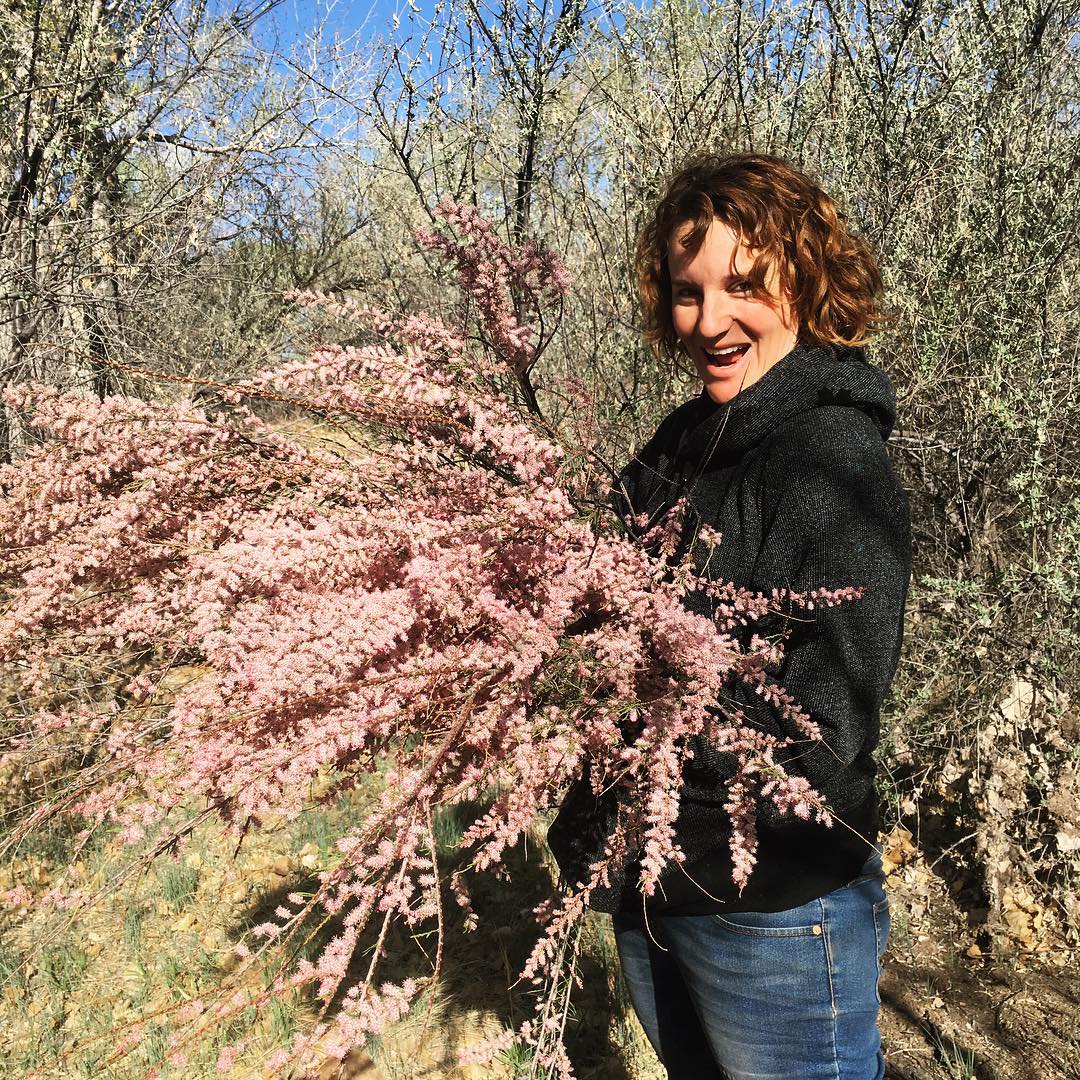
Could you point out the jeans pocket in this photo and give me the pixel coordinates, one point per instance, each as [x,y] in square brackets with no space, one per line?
[804,921]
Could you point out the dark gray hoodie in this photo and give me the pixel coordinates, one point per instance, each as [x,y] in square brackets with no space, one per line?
[794,475]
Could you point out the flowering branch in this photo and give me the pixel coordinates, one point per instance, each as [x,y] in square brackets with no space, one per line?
[504,284]
[428,597]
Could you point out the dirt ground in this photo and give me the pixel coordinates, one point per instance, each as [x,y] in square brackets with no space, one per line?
[960,1002]
[985,1025]
[961,997]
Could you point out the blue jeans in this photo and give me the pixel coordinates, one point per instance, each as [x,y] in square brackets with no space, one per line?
[790,995]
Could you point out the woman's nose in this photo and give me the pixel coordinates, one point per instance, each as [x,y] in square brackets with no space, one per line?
[716,316]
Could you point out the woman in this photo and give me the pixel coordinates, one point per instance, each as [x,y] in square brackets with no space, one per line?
[747,270]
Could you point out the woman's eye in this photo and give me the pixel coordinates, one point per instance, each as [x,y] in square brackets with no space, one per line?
[743,287]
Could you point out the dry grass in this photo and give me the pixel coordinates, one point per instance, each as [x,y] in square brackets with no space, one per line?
[72,988]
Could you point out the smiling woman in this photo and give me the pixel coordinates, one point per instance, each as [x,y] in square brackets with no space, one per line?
[748,271]
[732,332]
[790,243]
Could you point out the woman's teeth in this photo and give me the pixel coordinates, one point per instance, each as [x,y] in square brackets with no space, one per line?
[726,356]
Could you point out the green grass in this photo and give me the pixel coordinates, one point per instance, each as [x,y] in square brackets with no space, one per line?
[139,997]
[238,1026]
[154,1045]
[94,1034]
[448,824]
[179,883]
[959,1063]
[91,1064]
[319,827]
[172,971]
[323,825]
[12,968]
[63,967]
[518,1059]
[281,1016]
[133,928]
[205,965]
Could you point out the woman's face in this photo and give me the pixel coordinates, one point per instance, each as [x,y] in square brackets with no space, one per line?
[732,336]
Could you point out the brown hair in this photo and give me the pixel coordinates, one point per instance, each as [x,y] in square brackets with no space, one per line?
[830,275]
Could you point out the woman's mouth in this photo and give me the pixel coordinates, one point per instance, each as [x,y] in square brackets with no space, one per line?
[728,356]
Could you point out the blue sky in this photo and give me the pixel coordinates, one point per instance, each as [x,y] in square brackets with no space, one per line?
[292,19]
[364,19]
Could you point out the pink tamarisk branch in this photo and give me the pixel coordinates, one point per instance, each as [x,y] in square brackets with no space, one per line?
[430,597]
[504,283]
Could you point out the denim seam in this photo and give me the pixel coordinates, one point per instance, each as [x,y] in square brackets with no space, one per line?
[857,881]
[879,946]
[764,931]
[832,987]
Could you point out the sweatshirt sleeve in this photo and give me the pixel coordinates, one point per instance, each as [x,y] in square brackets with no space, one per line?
[839,519]
[647,484]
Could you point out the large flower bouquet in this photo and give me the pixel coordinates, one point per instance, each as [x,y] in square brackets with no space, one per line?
[432,593]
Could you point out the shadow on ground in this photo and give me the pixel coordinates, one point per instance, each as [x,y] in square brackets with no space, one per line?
[477,990]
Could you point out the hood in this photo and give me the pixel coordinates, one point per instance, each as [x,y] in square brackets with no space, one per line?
[808,377]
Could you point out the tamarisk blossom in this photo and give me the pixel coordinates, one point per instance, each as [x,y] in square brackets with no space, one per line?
[495,275]
[429,599]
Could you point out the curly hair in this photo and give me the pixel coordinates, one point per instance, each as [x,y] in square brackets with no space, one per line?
[828,274]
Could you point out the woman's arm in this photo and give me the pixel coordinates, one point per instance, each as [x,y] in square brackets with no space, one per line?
[839,518]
